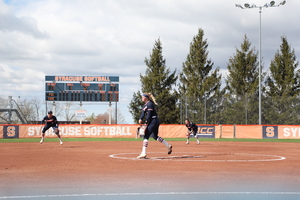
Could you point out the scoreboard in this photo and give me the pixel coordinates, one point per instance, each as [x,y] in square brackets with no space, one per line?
[82,88]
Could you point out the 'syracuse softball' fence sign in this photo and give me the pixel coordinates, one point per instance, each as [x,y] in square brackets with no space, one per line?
[165,130]
[82,88]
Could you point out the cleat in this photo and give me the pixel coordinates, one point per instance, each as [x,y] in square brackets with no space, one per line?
[42,140]
[61,143]
[141,156]
[198,142]
[169,149]
[187,142]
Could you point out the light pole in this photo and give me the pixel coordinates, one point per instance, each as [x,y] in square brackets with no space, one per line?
[267,5]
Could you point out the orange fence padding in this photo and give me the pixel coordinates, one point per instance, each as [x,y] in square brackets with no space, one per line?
[248,131]
[172,131]
[227,131]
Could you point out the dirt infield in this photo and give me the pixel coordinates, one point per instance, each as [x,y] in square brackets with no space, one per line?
[34,170]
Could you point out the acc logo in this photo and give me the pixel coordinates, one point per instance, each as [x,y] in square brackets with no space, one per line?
[270,132]
[10,131]
[206,131]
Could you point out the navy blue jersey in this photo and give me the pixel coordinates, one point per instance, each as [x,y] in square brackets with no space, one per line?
[50,121]
[192,127]
[149,111]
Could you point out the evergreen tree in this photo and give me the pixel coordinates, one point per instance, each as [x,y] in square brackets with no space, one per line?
[161,83]
[199,83]
[283,86]
[135,106]
[241,105]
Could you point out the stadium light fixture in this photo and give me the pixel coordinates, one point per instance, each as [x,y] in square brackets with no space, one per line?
[282,3]
[267,5]
[239,6]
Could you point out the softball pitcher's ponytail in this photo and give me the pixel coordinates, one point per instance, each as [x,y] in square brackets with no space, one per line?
[151,97]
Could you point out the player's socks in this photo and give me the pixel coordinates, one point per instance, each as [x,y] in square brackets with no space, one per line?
[162,140]
[144,149]
[145,145]
[198,142]
[60,140]
[42,140]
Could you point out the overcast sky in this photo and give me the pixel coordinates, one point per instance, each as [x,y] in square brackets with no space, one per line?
[113,38]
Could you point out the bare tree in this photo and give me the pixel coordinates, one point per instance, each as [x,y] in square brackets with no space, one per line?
[68,113]
[120,117]
[36,105]
[4,116]
[102,119]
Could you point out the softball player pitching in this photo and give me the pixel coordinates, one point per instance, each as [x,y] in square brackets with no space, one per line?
[152,123]
[50,121]
[192,129]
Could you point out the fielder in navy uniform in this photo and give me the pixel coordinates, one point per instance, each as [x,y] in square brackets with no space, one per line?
[152,122]
[192,129]
[50,121]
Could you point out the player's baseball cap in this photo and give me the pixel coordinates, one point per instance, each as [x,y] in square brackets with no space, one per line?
[50,112]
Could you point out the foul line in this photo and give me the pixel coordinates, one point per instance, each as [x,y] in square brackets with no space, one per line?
[155,193]
[201,157]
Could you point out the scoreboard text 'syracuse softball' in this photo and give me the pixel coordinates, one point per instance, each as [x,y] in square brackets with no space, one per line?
[82,88]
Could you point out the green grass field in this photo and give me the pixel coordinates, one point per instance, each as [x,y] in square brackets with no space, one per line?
[19,140]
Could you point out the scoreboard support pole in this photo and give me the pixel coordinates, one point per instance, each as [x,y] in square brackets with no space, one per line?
[53,108]
[116,112]
[46,106]
[109,113]
[80,105]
